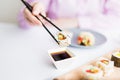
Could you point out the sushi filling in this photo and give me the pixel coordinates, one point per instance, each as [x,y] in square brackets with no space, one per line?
[92,70]
[105,62]
[83,41]
[86,39]
[61,36]
[117,54]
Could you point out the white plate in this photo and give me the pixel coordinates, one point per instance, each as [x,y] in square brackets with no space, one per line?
[99,38]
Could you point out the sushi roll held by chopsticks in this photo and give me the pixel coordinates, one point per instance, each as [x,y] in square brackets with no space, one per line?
[64,38]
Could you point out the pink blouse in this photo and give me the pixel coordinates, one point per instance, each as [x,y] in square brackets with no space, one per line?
[90,13]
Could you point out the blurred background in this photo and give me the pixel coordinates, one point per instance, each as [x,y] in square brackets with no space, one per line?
[9,10]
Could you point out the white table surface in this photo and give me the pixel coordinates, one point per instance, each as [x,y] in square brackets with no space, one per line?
[23,53]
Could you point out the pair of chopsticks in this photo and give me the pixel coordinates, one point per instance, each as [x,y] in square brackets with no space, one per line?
[30,8]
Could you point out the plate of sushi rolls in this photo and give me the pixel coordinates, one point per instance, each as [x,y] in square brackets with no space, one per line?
[85,38]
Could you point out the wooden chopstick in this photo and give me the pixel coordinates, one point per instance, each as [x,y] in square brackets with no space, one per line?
[30,9]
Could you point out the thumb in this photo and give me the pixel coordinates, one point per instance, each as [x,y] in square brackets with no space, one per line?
[38,8]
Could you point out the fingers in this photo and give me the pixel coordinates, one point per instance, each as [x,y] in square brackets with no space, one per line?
[37,9]
[32,19]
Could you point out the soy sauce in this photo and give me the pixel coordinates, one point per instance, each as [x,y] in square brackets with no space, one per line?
[60,55]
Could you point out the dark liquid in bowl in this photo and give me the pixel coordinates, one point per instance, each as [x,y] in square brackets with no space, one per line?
[60,55]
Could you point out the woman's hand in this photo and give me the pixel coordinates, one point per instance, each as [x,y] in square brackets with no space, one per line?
[30,17]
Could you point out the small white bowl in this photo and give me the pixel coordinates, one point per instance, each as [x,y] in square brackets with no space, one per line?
[61,57]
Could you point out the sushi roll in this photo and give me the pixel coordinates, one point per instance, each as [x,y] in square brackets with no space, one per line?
[64,38]
[86,39]
[116,58]
[105,65]
[92,73]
